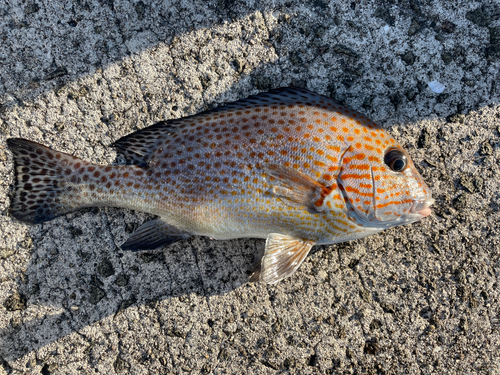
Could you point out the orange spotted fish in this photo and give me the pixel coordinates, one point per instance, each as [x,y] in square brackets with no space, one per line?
[289,165]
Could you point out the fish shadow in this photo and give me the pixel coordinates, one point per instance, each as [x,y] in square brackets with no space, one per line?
[77,276]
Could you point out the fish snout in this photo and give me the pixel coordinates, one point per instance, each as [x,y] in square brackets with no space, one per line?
[422,207]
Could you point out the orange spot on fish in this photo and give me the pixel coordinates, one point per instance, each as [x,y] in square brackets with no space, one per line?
[363,210]
[362,167]
[334,148]
[382,205]
[356,176]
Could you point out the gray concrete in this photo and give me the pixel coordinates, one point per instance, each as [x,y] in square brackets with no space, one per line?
[418,299]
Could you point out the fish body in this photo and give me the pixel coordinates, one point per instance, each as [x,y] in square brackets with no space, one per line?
[290,166]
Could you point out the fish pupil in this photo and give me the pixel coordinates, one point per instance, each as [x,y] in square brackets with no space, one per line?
[398,165]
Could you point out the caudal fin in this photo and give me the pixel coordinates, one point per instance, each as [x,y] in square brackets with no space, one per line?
[46,182]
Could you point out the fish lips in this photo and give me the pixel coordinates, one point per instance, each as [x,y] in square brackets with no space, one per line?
[422,207]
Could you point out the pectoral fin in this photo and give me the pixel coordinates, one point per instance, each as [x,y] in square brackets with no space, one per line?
[153,235]
[282,257]
[295,188]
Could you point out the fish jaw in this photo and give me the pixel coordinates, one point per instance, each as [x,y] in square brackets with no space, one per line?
[422,208]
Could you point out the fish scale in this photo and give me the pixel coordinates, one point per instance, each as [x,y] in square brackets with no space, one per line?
[289,165]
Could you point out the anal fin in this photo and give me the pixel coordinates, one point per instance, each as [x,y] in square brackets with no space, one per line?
[282,257]
[153,235]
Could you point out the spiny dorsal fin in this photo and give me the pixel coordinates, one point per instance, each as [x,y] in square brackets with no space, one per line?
[153,235]
[282,257]
[138,146]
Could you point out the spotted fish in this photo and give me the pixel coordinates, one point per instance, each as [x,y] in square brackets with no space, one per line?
[290,166]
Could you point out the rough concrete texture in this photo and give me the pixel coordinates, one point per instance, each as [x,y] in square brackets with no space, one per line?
[77,75]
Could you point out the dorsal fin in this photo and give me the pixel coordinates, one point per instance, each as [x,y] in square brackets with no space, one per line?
[283,95]
[137,146]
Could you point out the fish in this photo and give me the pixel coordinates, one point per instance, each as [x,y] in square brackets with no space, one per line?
[290,166]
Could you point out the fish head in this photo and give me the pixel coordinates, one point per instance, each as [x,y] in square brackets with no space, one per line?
[381,186]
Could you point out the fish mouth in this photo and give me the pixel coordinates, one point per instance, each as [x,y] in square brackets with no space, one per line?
[422,207]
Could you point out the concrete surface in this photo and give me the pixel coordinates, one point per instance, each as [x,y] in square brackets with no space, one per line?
[77,75]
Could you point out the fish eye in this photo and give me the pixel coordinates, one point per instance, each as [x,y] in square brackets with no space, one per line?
[396,159]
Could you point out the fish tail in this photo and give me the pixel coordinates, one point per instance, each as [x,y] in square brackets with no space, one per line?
[47,182]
